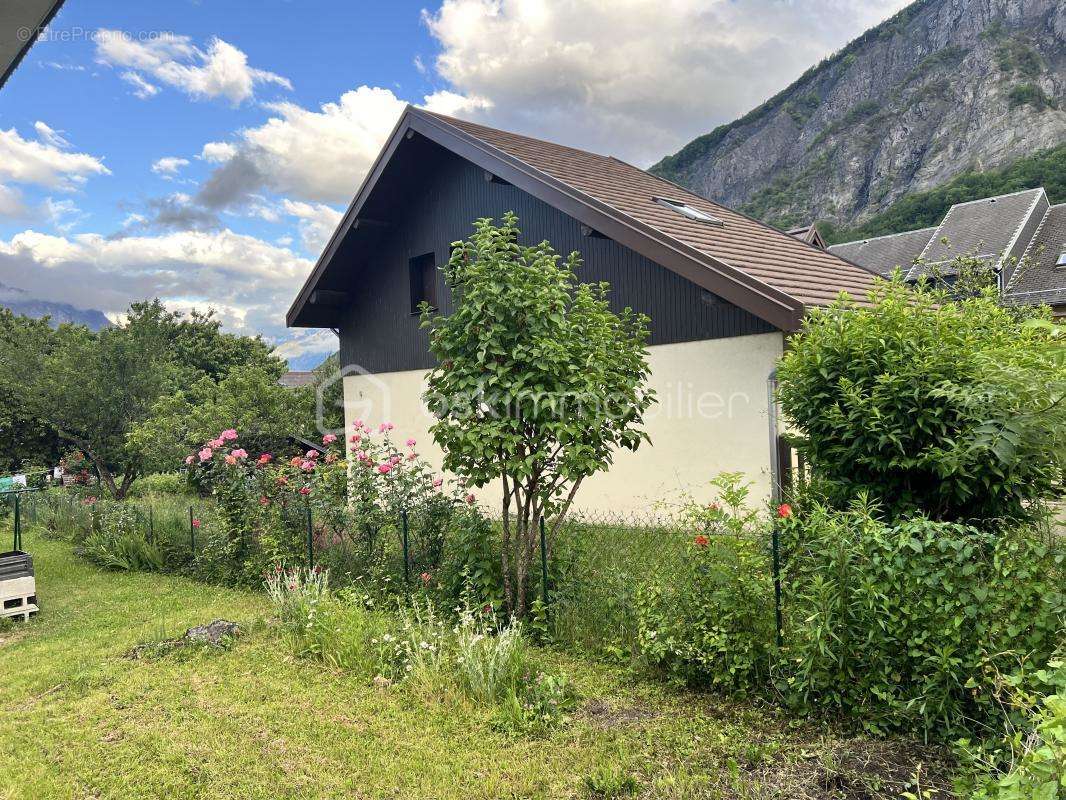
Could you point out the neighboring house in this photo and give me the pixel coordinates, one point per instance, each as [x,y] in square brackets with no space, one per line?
[1015,230]
[722,290]
[293,379]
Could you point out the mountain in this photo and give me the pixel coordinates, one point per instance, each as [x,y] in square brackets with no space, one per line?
[21,303]
[943,88]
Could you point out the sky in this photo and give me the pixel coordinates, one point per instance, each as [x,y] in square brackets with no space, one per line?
[202,151]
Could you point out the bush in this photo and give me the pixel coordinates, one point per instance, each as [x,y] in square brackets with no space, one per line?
[161,483]
[950,409]
[712,623]
[910,626]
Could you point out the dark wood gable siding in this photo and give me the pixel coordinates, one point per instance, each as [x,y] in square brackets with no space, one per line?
[379,334]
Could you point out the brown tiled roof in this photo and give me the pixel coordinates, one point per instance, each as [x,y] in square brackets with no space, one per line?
[295,378]
[804,272]
[883,254]
[808,234]
[1040,280]
[985,228]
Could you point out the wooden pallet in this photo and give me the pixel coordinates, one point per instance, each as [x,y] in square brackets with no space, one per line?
[18,598]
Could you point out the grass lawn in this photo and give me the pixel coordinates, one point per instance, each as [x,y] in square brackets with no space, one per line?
[80,719]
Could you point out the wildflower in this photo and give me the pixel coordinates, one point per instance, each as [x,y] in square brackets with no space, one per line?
[264,500]
[196,522]
[385,468]
[240,452]
[784,511]
[329,438]
[411,442]
[305,490]
[228,435]
[89,500]
[205,454]
[701,540]
[470,499]
[437,482]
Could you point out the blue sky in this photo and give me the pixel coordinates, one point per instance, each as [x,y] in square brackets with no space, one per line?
[202,151]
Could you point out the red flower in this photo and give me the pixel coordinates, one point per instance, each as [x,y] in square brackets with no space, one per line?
[305,490]
[426,577]
[784,511]
[264,500]
[196,523]
[470,499]
[701,540]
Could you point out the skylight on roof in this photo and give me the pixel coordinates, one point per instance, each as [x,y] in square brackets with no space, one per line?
[1062,259]
[685,210]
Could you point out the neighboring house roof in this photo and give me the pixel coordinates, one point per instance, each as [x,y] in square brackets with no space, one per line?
[757,267]
[987,228]
[1040,279]
[883,254]
[294,379]
[810,235]
[20,23]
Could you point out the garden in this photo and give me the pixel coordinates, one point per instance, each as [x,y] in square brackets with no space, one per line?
[894,626]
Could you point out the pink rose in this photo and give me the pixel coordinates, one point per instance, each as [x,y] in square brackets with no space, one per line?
[384,469]
[231,459]
[329,438]
[196,523]
[205,454]
[355,438]
[312,454]
[412,456]
[385,426]
[228,435]
[357,424]
[305,490]
[437,482]
[470,499]
[411,442]
[331,458]
[240,452]
[266,458]
[216,443]
[188,459]
[307,466]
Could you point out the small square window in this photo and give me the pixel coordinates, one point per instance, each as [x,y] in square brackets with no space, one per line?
[685,210]
[423,275]
[1062,259]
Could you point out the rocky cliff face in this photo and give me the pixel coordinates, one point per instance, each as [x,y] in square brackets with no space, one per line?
[943,87]
[21,303]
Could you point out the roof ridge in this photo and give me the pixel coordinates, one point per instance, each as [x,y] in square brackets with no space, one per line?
[1020,227]
[885,236]
[994,197]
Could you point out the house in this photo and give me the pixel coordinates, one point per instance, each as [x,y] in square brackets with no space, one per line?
[21,21]
[1020,236]
[723,291]
[295,379]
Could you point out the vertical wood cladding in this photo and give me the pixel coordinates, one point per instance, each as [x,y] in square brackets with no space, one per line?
[380,334]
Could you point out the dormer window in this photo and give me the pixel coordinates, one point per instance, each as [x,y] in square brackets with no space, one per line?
[685,210]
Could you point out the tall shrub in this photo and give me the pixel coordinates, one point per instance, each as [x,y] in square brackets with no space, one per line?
[950,408]
[538,383]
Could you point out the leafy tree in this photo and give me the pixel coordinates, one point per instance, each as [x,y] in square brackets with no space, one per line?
[90,388]
[24,441]
[248,399]
[949,407]
[538,383]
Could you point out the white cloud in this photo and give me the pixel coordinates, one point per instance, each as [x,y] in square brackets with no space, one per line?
[63,214]
[316,222]
[632,77]
[218,152]
[305,341]
[168,166]
[42,163]
[50,136]
[141,88]
[220,71]
[11,205]
[251,281]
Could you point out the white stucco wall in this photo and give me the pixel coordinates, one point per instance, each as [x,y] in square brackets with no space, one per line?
[711,417]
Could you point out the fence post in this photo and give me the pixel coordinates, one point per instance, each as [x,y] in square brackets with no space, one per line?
[543,567]
[18,524]
[310,541]
[777,583]
[192,536]
[406,551]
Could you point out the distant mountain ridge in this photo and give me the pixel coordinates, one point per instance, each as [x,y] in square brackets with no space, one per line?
[942,88]
[21,302]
